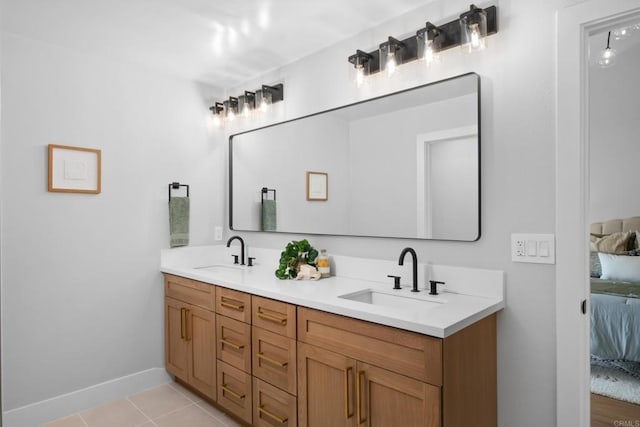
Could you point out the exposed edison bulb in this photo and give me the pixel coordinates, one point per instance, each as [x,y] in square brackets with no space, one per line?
[231,115]
[359,76]
[246,110]
[391,64]
[217,121]
[476,41]
[607,57]
[431,54]
[264,106]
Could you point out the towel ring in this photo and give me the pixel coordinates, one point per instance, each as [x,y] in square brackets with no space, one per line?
[265,194]
[176,186]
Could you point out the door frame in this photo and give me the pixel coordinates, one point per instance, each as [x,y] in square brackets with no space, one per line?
[423,156]
[574,24]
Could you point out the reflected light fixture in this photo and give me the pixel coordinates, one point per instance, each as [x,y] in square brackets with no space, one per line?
[361,61]
[431,43]
[391,52]
[607,56]
[621,33]
[469,31]
[473,28]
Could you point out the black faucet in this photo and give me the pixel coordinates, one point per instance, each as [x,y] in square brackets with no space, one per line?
[231,239]
[415,266]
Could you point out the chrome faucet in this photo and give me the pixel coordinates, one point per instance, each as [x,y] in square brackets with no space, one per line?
[415,266]
[231,239]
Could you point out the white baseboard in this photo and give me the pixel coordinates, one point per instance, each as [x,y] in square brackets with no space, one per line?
[66,404]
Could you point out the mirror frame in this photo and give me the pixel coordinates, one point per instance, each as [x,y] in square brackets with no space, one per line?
[479,146]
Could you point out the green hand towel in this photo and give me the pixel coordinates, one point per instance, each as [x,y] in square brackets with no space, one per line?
[179,221]
[269,222]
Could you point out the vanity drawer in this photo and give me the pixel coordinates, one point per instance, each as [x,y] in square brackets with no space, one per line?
[234,342]
[274,359]
[274,316]
[234,391]
[408,353]
[272,406]
[234,304]
[190,291]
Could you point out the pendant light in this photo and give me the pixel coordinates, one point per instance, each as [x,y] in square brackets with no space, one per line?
[607,57]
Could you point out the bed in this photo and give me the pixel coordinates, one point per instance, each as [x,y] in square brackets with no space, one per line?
[615,289]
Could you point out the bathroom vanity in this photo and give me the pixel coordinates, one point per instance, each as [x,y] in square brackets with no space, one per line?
[274,352]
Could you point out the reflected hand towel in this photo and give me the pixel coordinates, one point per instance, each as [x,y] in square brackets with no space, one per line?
[269,220]
[179,221]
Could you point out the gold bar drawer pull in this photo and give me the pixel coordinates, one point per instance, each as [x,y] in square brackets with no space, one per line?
[272,361]
[231,344]
[231,392]
[237,307]
[271,318]
[272,415]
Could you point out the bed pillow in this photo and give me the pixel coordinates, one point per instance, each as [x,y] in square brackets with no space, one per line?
[596,268]
[620,267]
[616,243]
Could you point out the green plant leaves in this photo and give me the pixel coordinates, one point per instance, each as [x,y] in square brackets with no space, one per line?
[296,252]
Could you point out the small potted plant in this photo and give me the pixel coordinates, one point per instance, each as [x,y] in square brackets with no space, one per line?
[294,255]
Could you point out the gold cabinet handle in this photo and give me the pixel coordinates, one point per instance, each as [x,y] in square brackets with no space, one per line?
[274,319]
[272,361]
[183,321]
[272,415]
[347,371]
[187,335]
[231,392]
[237,307]
[359,397]
[231,344]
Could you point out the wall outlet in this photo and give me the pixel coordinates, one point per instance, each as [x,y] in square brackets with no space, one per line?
[217,233]
[535,248]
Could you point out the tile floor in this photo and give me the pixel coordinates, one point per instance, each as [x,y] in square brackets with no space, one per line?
[169,405]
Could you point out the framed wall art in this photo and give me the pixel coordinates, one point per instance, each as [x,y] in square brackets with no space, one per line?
[74,169]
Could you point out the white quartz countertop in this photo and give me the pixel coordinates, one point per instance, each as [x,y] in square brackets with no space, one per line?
[453,311]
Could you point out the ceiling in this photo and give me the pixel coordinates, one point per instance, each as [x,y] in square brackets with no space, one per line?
[222,43]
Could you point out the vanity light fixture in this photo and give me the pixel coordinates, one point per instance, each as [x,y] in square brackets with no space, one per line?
[361,62]
[246,105]
[607,57]
[473,29]
[231,108]
[469,30]
[431,45]
[217,110]
[391,52]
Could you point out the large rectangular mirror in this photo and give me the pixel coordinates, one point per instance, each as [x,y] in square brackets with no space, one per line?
[404,165]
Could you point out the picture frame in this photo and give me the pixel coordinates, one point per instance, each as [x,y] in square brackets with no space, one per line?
[317,186]
[74,169]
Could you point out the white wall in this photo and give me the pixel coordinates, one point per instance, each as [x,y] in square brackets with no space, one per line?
[614,132]
[282,165]
[82,289]
[517,167]
[384,203]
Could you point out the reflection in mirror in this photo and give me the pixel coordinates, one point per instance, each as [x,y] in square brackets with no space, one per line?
[404,165]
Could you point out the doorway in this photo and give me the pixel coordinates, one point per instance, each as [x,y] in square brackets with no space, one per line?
[575,25]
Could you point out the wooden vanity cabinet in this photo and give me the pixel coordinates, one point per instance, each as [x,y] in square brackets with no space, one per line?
[352,372]
[190,333]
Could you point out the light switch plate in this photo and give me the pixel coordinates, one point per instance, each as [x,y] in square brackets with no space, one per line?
[534,248]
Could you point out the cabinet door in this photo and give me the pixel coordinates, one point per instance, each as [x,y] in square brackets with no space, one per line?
[325,388]
[175,346]
[384,398]
[200,336]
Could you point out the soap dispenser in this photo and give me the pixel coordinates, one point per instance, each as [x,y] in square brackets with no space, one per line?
[323,263]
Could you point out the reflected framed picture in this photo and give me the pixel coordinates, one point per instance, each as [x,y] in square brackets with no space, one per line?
[317,186]
[74,169]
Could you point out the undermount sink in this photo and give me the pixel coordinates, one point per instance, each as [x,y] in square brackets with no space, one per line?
[225,271]
[392,300]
